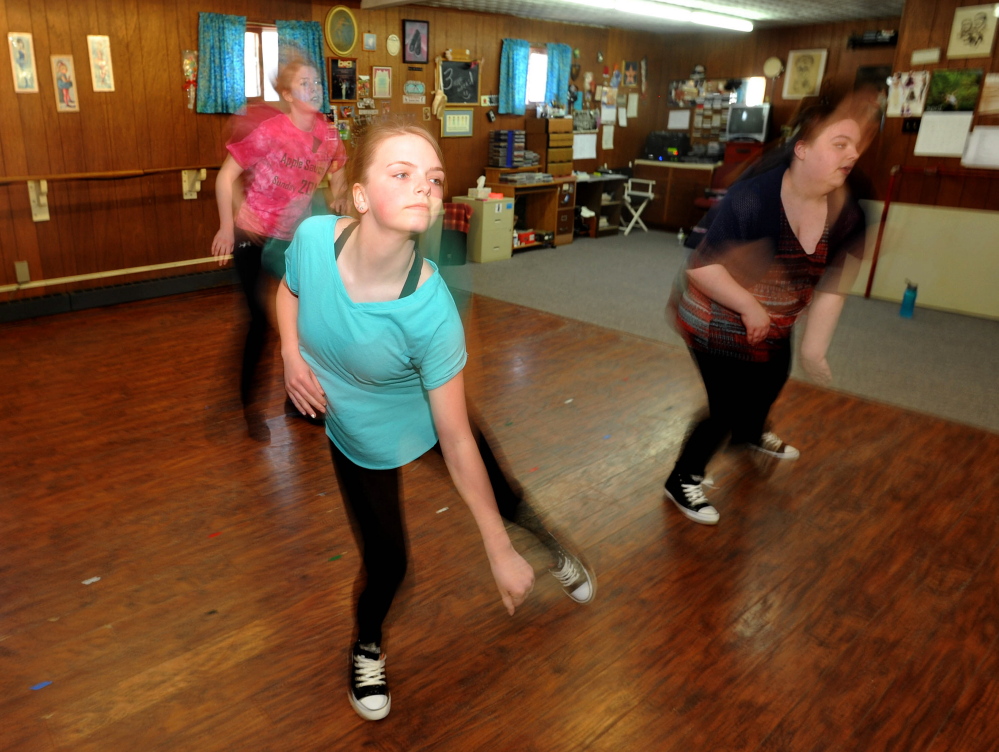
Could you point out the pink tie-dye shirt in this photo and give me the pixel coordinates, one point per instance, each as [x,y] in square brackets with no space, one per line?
[283,165]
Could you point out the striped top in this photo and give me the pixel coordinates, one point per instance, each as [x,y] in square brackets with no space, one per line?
[752,238]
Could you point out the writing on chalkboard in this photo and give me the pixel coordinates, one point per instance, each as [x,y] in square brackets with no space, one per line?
[460,81]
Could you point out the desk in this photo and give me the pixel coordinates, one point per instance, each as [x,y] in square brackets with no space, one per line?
[677,185]
[548,207]
[590,192]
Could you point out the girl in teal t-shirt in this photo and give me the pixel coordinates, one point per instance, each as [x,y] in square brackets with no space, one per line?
[371,337]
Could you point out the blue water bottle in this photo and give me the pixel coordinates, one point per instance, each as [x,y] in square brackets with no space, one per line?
[908,300]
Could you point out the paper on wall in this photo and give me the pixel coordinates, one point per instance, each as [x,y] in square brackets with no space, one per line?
[622,117]
[943,134]
[982,150]
[679,120]
[925,57]
[608,137]
[632,104]
[988,104]
[607,113]
[584,146]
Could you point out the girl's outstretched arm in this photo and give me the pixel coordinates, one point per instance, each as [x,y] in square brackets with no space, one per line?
[823,315]
[514,576]
[299,380]
[223,241]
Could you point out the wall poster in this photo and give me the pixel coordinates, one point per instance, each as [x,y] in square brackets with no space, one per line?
[973,32]
[803,76]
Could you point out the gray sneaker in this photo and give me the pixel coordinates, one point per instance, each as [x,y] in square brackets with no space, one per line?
[576,580]
[771,444]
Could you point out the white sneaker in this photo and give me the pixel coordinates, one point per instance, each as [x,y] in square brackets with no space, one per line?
[770,443]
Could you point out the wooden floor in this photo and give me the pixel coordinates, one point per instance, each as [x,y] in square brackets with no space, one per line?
[846,601]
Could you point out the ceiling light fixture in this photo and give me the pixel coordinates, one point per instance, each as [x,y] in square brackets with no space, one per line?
[752,15]
[669,12]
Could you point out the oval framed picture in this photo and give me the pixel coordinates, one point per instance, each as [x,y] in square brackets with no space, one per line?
[340,30]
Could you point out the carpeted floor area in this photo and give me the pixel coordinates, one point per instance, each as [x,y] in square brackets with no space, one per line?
[939,363]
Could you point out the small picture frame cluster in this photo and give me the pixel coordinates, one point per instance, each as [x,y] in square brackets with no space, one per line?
[415,41]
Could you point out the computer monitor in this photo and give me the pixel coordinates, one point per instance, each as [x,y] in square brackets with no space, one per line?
[747,123]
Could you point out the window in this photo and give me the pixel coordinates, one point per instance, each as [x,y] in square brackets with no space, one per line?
[537,76]
[260,53]
[756,89]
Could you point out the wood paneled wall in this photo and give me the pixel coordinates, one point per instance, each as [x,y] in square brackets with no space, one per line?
[927,23]
[482,34]
[145,122]
[742,55]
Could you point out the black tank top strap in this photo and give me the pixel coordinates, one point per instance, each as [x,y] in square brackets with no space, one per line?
[414,275]
[344,234]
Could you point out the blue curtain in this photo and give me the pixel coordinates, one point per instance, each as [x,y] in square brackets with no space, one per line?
[559,62]
[304,39]
[221,78]
[513,76]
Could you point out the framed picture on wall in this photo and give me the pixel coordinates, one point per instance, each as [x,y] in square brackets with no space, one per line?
[22,61]
[630,68]
[343,79]
[415,41]
[100,62]
[381,81]
[803,76]
[457,122]
[340,30]
[370,42]
[64,78]
[973,31]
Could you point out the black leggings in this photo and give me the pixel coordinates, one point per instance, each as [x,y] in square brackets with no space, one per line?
[246,258]
[256,264]
[740,394]
[372,499]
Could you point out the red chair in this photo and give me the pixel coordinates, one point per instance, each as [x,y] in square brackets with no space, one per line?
[721,179]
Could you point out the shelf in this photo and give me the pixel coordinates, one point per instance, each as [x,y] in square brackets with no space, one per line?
[526,246]
[610,203]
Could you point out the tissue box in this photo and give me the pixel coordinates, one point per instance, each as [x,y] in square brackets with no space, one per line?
[479,193]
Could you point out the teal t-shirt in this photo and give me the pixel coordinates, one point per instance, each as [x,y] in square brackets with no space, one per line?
[375,361]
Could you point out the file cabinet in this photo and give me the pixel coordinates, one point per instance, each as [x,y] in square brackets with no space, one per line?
[490,230]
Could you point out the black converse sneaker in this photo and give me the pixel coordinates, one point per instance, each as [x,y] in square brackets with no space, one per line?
[770,443]
[368,693]
[576,580]
[685,491]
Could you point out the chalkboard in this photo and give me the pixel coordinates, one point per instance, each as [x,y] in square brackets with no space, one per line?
[460,81]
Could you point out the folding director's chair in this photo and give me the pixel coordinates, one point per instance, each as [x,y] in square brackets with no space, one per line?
[637,190]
